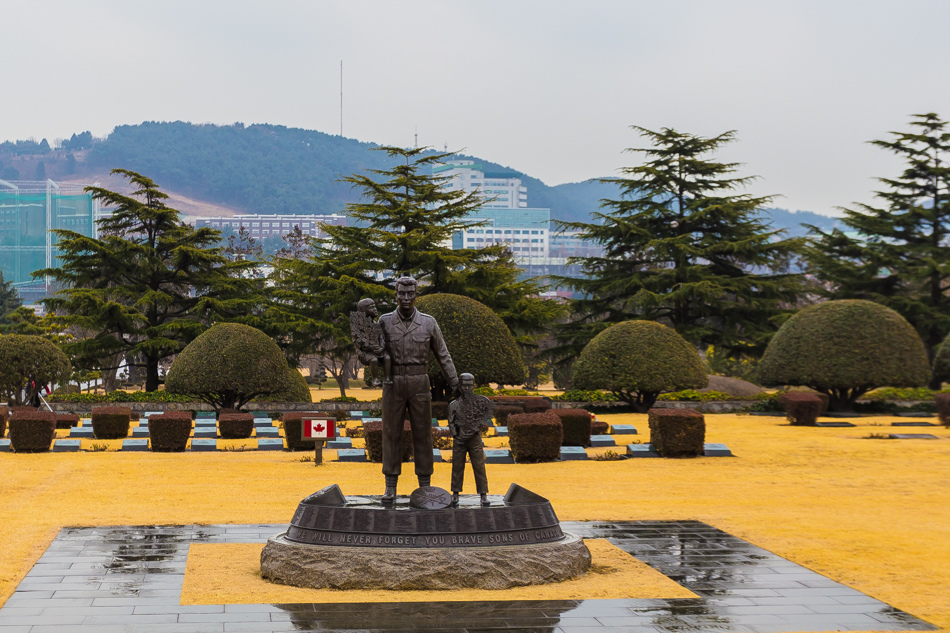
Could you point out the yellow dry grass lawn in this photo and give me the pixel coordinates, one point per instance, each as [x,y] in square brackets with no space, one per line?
[230,573]
[873,514]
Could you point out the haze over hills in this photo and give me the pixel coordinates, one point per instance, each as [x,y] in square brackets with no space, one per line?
[222,170]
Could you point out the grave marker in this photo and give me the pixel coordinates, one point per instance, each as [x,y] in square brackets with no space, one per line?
[140,446]
[572,453]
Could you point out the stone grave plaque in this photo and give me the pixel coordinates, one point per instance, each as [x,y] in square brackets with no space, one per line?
[602,440]
[573,452]
[622,429]
[913,436]
[498,456]
[204,445]
[833,424]
[501,431]
[140,432]
[716,450]
[65,446]
[340,442]
[81,431]
[919,423]
[4,446]
[267,431]
[205,432]
[270,444]
[641,450]
[134,446]
[351,455]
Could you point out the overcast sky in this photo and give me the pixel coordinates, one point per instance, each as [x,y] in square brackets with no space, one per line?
[547,87]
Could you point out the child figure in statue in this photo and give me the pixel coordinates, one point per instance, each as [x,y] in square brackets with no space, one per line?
[368,338]
[467,414]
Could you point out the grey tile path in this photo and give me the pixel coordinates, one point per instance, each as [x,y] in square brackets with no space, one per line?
[129,579]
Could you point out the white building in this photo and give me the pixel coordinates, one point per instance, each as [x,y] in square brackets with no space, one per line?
[501,191]
[264,226]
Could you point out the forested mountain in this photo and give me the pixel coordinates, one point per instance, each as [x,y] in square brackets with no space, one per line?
[272,168]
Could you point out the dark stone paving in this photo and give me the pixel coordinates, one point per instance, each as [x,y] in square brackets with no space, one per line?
[129,579]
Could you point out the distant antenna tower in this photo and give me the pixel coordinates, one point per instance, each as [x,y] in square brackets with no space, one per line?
[445,148]
[341,97]
[417,137]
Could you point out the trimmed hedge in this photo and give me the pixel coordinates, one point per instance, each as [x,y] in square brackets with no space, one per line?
[478,341]
[942,401]
[4,414]
[530,404]
[503,411]
[32,431]
[124,396]
[169,431]
[599,428]
[677,432]
[111,423]
[229,365]
[373,435]
[845,349]
[65,421]
[535,437]
[293,427]
[442,439]
[576,423]
[440,410]
[637,361]
[235,426]
[801,407]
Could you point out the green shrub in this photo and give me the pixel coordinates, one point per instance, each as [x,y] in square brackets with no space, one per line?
[169,432]
[530,404]
[801,407]
[942,402]
[941,366]
[235,426]
[32,431]
[580,395]
[293,389]
[677,432]
[441,439]
[66,420]
[503,411]
[637,361]
[373,435]
[340,399]
[691,395]
[844,349]
[229,365]
[124,396]
[576,423]
[478,340]
[27,363]
[111,423]
[535,437]
[891,393]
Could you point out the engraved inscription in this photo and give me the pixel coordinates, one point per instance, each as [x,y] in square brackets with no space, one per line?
[324,518]
[342,521]
[549,517]
[404,523]
[537,516]
[362,520]
[464,522]
[443,521]
[520,517]
[483,521]
[425,523]
[503,520]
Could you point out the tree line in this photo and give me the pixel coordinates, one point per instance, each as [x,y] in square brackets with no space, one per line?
[684,246]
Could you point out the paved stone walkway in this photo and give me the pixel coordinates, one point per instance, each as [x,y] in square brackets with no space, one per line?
[129,579]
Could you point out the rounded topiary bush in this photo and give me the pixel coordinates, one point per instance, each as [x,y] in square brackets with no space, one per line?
[844,349]
[169,432]
[27,363]
[111,423]
[576,423]
[32,431]
[294,388]
[373,436]
[478,340]
[637,361]
[503,411]
[535,437]
[230,365]
[235,426]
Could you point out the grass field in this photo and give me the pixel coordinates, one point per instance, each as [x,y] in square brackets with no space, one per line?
[873,514]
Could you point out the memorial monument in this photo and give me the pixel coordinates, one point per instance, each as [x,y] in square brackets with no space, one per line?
[432,540]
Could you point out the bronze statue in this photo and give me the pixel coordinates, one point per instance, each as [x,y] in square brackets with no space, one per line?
[368,338]
[467,415]
[409,336]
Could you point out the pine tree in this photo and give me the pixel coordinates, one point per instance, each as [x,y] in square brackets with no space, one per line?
[9,298]
[148,286]
[896,254]
[402,225]
[681,247]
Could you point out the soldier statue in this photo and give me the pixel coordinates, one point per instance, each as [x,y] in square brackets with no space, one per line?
[409,336]
[467,415]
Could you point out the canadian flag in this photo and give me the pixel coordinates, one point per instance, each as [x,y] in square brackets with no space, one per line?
[320,428]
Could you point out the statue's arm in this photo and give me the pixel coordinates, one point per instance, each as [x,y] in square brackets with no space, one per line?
[441,353]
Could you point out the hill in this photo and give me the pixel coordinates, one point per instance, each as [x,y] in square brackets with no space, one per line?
[221,170]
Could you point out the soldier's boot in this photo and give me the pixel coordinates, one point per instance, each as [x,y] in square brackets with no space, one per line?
[485,501]
[425,481]
[455,499]
[390,495]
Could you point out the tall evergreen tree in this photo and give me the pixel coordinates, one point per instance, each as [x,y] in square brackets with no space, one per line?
[683,248]
[148,286]
[402,225]
[896,254]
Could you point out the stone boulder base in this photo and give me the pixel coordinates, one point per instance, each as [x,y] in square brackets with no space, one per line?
[501,567]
